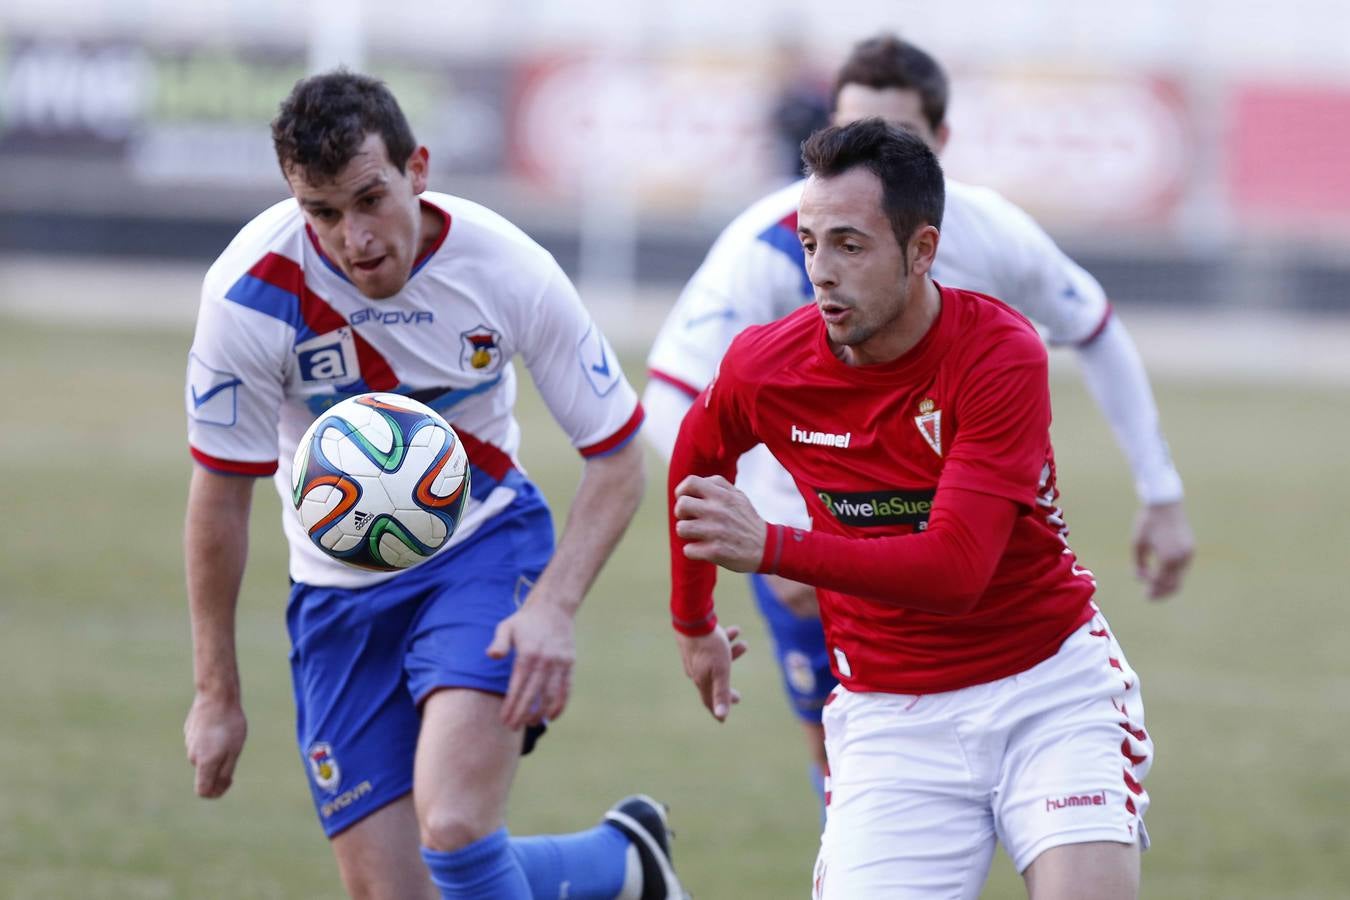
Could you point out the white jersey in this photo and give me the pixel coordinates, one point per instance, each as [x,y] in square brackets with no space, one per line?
[755,273]
[282,335]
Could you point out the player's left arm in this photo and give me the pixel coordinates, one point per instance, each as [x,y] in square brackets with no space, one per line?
[584,388]
[1162,542]
[1071,307]
[542,631]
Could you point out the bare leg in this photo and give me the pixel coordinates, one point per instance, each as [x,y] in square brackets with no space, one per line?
[1102,870]
[466,760]
[379,858]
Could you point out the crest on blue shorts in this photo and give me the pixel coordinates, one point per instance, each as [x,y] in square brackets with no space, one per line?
[323,766]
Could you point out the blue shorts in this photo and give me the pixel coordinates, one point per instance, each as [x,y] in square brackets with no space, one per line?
[799,645]
[363,660]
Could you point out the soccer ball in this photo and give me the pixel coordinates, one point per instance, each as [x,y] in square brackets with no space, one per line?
[380,481]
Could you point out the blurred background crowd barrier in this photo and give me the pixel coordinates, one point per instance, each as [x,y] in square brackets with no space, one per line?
[1189,153]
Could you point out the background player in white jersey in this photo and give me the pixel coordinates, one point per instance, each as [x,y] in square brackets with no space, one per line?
[416,692]
[755,273]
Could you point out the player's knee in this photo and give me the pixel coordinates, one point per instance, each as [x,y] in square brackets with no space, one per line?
[453,829]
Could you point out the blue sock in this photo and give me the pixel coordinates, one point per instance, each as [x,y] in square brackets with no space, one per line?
[484,870]
[818,784]
[581,866]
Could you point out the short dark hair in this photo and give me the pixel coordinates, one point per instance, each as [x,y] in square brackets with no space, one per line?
[885,61]
[326,119]
[912,189]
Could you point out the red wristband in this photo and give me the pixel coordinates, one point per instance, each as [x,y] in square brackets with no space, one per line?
[773,549]
[695,629]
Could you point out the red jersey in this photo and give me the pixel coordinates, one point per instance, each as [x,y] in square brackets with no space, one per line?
[879,451]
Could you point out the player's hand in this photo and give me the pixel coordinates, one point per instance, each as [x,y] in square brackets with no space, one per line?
[214,735]
[1163,548]
[707,662]
[719,523]
[541,679]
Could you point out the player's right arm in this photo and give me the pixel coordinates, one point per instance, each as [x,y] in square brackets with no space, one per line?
[215,547]
[713,435]
[235,385]
[753,274]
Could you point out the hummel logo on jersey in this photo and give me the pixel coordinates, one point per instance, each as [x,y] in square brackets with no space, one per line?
[821,438]
[362,519]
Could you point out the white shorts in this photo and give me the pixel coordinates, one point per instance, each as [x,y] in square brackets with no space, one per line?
[921,787]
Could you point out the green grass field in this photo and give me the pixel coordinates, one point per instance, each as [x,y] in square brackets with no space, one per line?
[1246,675]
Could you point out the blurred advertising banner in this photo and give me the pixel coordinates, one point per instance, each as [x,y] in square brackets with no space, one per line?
[200,114]
[670,130]
[1287,160]
[673,132]
[1074,148]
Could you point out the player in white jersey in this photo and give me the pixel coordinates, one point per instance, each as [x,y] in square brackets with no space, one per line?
[417,692]
[755,273]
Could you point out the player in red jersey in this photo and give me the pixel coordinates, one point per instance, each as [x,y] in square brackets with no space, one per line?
[982,696]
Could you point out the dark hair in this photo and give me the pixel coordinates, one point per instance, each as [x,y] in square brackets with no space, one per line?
[326,119]
[912,187]
[885,61]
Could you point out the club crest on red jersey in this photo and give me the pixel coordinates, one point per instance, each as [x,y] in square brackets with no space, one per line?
[929,422]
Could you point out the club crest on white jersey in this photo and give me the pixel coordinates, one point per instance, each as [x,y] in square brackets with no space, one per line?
[480,349]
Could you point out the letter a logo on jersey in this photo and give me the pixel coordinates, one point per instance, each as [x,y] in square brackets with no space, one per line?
[929,421]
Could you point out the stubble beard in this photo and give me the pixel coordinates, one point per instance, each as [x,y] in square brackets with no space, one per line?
[850,336]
